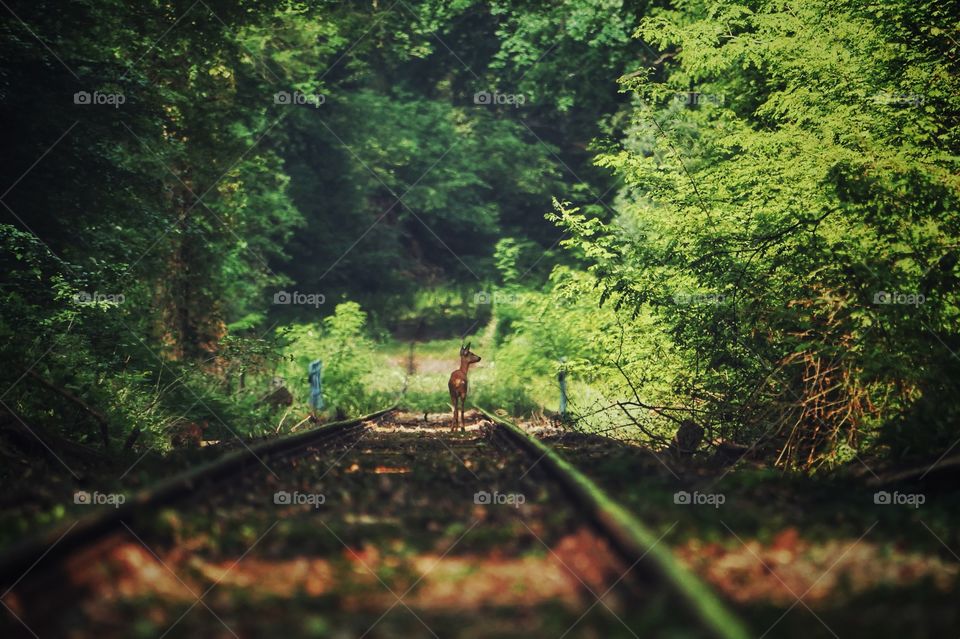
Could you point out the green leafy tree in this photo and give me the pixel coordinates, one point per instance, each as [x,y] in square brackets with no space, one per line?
[788,167]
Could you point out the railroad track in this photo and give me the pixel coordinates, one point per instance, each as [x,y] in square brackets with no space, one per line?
[391,526]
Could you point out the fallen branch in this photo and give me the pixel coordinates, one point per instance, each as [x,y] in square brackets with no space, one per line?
[300,423]
[285,413]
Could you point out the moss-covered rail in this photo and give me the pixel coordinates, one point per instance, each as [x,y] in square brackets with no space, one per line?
[61,539]
[630,537]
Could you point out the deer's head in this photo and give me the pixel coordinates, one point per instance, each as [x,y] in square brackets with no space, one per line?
[467,357]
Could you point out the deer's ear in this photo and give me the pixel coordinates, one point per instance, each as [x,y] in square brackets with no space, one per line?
[468,345]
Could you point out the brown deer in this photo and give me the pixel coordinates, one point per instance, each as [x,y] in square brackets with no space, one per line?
[458,383]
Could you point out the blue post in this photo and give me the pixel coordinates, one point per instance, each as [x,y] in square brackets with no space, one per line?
[315,374]
[562,378]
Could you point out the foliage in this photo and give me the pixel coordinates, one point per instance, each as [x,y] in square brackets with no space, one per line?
[789,170]
[779,171]
[346,351]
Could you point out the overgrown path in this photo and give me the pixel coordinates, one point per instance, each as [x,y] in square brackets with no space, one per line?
[400,529]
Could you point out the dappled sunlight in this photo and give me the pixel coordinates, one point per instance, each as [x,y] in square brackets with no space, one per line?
[823,574]
[390,470]
[126,570]
[564,574]
[513,319]
[401,517]
[410,422]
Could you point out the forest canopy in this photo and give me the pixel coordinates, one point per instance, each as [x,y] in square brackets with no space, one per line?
[737,214]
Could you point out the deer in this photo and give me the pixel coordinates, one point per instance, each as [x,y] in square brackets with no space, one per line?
[458,383]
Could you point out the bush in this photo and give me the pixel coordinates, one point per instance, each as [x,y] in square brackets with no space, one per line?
[348,358]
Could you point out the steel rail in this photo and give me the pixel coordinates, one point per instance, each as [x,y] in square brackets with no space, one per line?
[65,537]
[630,537]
